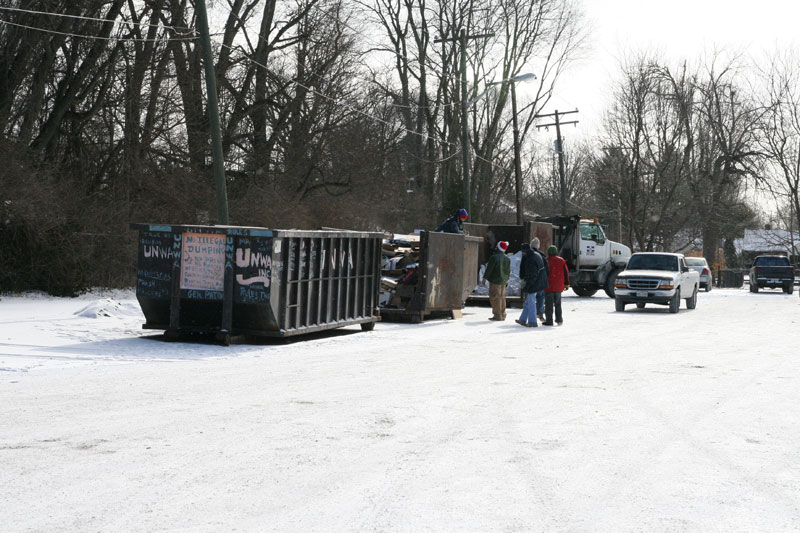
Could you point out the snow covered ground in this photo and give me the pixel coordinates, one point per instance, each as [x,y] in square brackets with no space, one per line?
[635,421]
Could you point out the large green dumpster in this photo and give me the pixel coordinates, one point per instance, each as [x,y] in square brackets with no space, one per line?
[227,280]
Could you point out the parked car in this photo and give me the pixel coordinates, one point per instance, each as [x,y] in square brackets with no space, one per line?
[700,265]
[772,271]
[657,278]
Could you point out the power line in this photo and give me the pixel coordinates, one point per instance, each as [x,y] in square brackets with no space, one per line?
[96,37]
[177,29]
[194,36]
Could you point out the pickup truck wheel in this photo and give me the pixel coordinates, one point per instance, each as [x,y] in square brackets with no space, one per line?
[619,305]
[691,303]
[639,305]
[788,289]
[675,303]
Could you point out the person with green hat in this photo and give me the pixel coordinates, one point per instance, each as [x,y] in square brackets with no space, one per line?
[557,282]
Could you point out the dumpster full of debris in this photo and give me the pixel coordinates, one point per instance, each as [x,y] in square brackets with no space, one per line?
[427,274]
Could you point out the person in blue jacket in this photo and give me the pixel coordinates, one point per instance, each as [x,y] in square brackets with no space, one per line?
[454,224]
[540,295]
[533,278]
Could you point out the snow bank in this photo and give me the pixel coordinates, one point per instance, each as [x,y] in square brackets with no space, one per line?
[108,307]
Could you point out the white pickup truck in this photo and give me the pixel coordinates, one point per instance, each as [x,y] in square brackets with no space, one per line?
[657,278]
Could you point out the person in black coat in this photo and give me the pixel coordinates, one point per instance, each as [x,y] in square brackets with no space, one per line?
[534,279]
[454,224]
[540,294]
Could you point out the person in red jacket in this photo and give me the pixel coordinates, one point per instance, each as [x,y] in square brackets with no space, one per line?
[558,282]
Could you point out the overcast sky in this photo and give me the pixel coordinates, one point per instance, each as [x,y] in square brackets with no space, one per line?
[677,28]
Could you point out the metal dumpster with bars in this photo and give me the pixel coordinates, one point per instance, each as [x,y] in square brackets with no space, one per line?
[448,272]
[227,280]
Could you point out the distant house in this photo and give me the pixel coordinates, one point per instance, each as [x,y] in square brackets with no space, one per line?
[767,241]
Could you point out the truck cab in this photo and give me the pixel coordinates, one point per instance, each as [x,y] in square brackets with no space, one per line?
[593,260]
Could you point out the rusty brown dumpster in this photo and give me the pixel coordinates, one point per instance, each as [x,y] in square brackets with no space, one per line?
[446,274]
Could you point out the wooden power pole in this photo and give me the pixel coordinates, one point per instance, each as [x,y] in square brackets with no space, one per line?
[559,150]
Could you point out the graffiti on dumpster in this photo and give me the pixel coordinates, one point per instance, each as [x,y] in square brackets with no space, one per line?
[254,263]
[154,273]
[203,261]
[253,269]
[162,252]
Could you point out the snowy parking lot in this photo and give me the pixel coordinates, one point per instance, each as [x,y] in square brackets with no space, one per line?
[634,421]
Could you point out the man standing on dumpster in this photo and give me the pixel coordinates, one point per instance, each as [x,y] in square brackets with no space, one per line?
[498,269]
[454,224]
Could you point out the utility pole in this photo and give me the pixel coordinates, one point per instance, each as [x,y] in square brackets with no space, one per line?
[462,38]
[791,230]
[213,113]
[559,150]
[517,163]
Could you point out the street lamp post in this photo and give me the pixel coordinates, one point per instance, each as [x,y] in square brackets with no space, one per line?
[517,162]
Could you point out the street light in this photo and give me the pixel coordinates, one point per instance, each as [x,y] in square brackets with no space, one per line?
[518,77]
[517,163]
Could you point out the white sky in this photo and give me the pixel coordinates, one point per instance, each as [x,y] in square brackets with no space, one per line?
[679,29]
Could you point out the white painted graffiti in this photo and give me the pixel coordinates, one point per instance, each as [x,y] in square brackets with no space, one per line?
[161,252]
[246,258]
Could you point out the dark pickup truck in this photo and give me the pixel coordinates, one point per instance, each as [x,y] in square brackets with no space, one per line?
[772,271]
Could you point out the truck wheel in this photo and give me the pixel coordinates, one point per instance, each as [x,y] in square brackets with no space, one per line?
[619,305]
[675,303]
[753,288]
[788,289]
[691,303]
[583,291]
[639,305]
[611,280]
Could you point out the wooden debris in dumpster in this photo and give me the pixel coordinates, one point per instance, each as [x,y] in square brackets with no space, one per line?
[399,267]
[426,275]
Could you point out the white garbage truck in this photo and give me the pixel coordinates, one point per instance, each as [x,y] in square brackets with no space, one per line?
[593,260]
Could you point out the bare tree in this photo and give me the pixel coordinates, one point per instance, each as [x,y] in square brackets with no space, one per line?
[726,149]
[644,167]
[514,37]
[780,130]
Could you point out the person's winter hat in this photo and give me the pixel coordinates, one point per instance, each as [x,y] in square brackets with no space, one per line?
[502,246]
[535,243]
[552,250]
[462,214]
